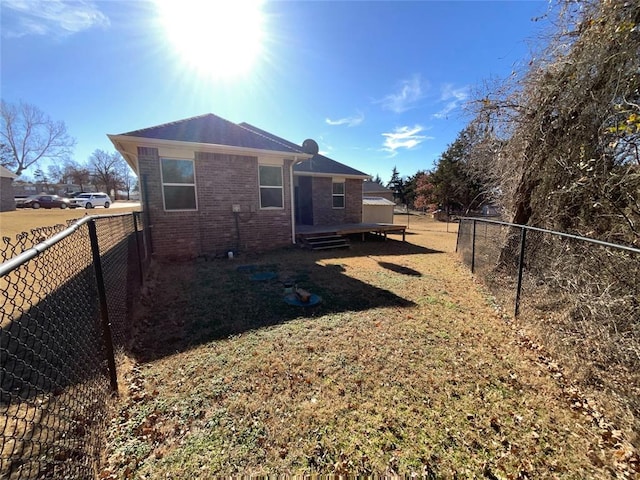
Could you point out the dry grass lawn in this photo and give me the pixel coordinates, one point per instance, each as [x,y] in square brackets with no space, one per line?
[406,367]
[26,219]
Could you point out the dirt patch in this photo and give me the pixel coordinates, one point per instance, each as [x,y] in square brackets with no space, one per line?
[405,367]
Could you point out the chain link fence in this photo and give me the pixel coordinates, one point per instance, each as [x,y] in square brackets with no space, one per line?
[65,303]
[581,296]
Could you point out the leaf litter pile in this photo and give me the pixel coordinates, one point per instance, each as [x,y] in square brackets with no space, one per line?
[406,367]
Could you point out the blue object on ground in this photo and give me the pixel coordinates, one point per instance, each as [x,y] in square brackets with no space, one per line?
[263,276]
[246,268]
[292,299]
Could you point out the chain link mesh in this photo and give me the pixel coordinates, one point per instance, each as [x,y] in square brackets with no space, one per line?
[54,385]
[582,298]
[26,240]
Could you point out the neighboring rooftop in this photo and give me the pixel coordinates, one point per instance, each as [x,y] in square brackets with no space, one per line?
[6,173]
[371,187]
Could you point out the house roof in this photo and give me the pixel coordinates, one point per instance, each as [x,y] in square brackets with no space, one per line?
[211,129]
[371,187]
[376,201]
[318,164]
[6,173]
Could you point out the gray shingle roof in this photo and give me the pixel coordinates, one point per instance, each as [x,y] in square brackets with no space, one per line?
[214,130]
[317,164]
[371,187]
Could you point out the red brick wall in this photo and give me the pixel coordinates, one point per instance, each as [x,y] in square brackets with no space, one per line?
[221,181]
[323,211]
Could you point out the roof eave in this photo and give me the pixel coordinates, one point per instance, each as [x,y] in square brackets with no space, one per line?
[121,142]
[327,174]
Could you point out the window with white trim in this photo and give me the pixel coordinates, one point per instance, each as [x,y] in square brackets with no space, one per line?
[338,194]
[178,184]
[271,186]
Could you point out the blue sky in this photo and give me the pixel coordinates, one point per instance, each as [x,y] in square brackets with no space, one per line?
[377,84]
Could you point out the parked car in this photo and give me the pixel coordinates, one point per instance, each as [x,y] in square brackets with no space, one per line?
[20,200]
[91,200]
[44,201]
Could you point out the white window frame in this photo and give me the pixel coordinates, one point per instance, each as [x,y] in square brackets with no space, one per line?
[169,184]
[280,187]
[335,195]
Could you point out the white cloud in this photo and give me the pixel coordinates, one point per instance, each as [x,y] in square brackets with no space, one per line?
[353,121]
[453,98]
[403,137]
[50,17]
[405,97]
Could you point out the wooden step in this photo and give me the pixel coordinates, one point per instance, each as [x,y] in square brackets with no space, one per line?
[326,242]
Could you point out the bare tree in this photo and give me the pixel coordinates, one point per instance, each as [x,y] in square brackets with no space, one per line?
[561,143]
[80,175]
[6,156]
[70,172]
[105,168]
[41,177]
[126,177]
[31,136]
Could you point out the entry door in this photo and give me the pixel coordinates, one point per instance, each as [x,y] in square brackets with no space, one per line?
[304,201]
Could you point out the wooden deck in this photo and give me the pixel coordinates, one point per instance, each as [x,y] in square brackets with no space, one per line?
[306,231]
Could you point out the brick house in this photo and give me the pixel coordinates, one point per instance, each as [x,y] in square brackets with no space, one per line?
[209,185]
[7,201]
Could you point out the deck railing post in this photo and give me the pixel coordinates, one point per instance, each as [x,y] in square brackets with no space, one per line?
[104,310]
[523,239]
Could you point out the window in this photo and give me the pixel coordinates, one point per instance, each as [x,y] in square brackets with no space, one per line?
[178,184]
[271,189]
[338,194]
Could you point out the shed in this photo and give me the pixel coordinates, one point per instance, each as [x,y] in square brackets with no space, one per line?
[377,210]
[7,201]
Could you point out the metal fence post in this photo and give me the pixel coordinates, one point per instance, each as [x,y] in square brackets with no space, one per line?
[135,230]
[104,310]
[473,249]
[523,239]
[458,235]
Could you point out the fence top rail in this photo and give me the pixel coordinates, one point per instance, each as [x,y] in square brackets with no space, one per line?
[552,232]
[13,263]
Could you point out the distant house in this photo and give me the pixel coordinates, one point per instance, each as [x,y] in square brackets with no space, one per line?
[374,189]
[23,189]
[211,185]
[7,201]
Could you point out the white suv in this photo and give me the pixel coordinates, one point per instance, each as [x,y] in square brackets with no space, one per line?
[91,200]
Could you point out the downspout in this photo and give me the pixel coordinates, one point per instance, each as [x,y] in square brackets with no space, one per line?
[293,211]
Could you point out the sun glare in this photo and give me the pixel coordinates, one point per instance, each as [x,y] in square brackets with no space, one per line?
[218,38]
